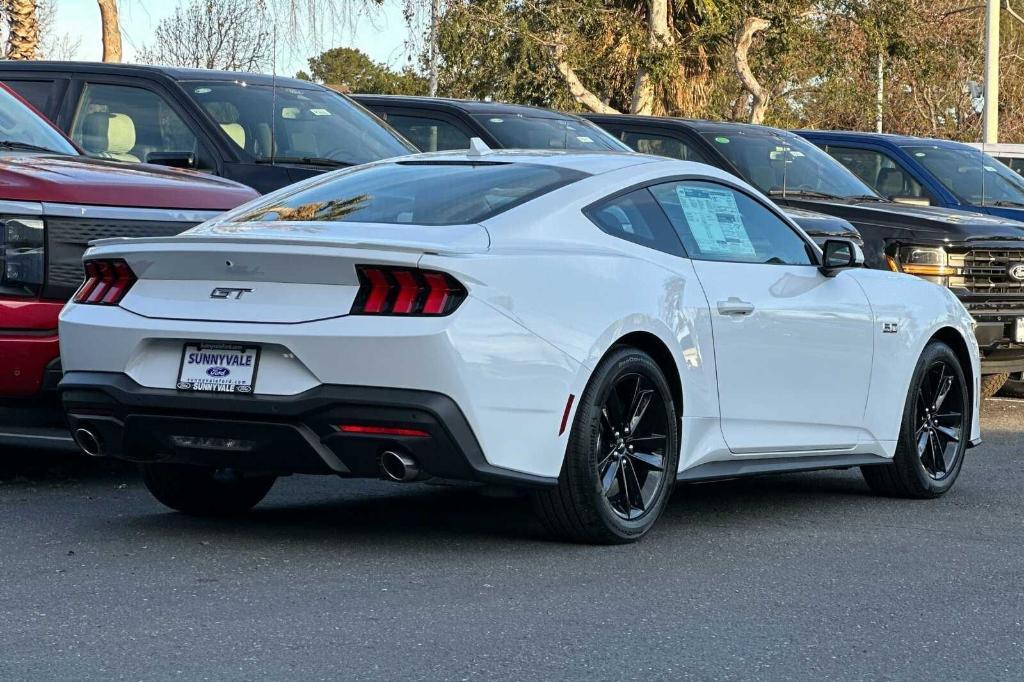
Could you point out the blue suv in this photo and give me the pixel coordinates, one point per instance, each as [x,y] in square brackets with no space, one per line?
[916,170]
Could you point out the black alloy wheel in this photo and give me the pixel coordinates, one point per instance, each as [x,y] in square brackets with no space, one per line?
[630,448]
[622,456]
[933,436]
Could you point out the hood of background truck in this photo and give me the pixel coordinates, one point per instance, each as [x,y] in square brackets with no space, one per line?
[821,226]
[82,180]
[917,221]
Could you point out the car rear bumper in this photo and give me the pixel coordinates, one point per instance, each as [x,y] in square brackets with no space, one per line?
[281,434]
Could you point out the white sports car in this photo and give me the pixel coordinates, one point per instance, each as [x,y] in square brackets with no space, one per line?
[595,327]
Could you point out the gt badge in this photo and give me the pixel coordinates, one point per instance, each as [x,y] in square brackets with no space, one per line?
[227,292]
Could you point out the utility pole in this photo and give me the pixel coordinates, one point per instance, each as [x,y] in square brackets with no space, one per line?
[435,20]
[990,130]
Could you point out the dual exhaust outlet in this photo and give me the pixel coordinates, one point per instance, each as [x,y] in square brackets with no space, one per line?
[395,466]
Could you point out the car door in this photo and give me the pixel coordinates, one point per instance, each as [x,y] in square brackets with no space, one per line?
[793,348]
[659,142]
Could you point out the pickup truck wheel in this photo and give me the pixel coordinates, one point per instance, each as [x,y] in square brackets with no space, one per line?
[934,433]
[200,491]
[991,383]
[1014,386]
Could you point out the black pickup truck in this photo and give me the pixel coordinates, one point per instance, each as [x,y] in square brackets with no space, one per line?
[979,257]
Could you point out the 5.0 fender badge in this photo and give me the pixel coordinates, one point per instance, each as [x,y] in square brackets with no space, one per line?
[890,327]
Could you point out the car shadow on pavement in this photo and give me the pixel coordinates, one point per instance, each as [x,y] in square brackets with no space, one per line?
[390,513]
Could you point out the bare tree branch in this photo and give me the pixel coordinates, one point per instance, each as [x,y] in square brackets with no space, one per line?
[744,38]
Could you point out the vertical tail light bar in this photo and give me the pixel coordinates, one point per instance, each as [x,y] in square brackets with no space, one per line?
[106,282]
[388,290]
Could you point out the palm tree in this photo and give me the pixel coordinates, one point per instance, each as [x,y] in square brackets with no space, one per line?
[22,28]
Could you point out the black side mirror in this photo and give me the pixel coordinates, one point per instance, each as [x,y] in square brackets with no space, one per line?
[839,254]
[172,159]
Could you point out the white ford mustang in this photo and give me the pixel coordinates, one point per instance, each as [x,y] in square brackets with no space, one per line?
[592,326]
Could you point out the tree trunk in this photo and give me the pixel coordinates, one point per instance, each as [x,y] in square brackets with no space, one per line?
[880,92]
[433,55]
[579,91]
[659,36]
[23,28]
[744,38]
[111,30]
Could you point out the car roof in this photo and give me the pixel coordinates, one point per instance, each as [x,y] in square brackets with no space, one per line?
[898,140]
[172,72]
[697,124]
[469,106]
[593,163]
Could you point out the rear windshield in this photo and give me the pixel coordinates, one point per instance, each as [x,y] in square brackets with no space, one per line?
[415,192]
[535,132]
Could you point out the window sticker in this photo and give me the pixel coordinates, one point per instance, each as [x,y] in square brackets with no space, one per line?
[722,140]
[319,112]
[715,221]
[584,138]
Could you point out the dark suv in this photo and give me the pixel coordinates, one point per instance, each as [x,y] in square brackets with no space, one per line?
[979,257]
[260,130]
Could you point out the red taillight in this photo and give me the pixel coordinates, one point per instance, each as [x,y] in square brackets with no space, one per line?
[106,282]
[383,430]
[406,291]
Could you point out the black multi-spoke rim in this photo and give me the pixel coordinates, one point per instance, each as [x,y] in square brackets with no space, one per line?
[631,445]
[939,420]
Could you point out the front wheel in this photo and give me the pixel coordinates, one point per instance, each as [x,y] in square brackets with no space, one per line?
[622,456]
[934,433]
[201,491]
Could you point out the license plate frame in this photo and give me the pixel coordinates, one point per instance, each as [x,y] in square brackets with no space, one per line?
[214,382]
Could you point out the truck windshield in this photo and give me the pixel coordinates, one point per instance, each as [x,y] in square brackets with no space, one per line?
[784,165]
[23,129]
[296,125]
[973,177]
[412,192]
[515,131]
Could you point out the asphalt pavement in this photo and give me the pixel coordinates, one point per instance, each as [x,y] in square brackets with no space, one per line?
[803,576]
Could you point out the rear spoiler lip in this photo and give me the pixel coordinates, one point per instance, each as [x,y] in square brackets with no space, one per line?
[110,245]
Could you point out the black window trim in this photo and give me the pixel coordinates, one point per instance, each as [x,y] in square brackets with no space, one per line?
[689,177]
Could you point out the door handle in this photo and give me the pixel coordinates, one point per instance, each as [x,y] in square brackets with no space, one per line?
[735,306]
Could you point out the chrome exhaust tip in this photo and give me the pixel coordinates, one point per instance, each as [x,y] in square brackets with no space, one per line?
[89,442]
[398,467]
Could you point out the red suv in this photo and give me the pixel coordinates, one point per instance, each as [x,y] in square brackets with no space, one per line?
[53,201]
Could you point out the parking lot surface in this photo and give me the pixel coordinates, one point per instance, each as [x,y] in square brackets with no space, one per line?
[797,576]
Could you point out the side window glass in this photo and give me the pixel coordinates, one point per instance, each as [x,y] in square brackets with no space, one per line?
[636,218]
[718,223]
[132,124]
[879,171]
[429,134]
[663,145]
[36,93]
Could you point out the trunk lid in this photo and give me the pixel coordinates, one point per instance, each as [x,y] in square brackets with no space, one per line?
[280,273]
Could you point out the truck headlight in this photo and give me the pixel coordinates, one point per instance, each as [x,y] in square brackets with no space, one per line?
[22,261]
[925,261]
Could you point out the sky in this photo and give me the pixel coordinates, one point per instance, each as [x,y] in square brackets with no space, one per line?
[381,34]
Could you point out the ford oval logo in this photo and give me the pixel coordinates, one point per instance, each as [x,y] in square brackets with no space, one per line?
[218,371]
[1016,271]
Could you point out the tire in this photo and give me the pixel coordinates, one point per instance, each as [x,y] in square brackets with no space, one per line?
[932,442]
[612,488]
[1013,388]
[991,383]
[198,491]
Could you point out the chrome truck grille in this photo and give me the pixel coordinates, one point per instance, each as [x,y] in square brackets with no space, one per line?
[987,271]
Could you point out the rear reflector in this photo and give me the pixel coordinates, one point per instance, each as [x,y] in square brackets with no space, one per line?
[106,282]
[385,290]
[382,430]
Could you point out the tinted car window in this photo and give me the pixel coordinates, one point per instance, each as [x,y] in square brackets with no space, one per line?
[429,134]
[295,124]
[515,131]
[36,93]
[779,164]
[662,145]
[636,218]
[718,223]
[878,170]
[973,177]
[127,123]
[19,124]
[422,193]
